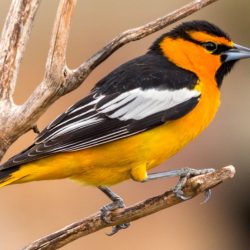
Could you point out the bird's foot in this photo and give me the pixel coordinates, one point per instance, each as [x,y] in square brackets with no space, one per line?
[106,210]
[185,174]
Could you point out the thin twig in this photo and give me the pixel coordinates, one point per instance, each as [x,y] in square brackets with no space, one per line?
[133,35]
[93,223]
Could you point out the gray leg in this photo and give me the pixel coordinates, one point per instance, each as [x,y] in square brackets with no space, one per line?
[184,174]
[117,202]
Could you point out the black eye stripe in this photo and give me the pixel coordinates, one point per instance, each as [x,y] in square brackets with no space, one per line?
[220,47]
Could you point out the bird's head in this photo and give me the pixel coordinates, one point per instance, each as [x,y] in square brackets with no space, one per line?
[202,48]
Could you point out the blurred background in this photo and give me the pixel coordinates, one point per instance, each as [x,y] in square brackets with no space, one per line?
[32,210]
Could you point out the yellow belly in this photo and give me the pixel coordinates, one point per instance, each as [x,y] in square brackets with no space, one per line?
[130,157]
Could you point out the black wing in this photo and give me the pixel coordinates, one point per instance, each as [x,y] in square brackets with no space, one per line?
[110,113]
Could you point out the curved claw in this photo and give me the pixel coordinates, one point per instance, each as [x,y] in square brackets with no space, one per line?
[117,228]
[186,173]
[105,210]
[207,194]
[179,193]
[117,202]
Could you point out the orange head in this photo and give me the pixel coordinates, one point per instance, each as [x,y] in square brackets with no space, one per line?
[202,48]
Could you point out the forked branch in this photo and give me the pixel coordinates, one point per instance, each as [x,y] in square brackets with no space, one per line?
[91,224]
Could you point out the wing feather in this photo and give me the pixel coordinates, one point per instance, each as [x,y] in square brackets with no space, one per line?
[92,122]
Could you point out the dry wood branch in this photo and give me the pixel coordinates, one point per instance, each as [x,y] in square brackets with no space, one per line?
[193,187]
[16,120]
[15,34]
[53,84]
[56,61]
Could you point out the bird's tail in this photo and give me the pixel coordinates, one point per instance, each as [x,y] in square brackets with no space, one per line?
[7,177]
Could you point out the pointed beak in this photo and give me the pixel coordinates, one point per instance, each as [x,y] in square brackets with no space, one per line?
[236,53]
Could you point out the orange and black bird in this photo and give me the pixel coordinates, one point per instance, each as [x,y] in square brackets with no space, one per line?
[136,117]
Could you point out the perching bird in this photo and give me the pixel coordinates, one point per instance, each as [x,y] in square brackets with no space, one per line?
[137,116]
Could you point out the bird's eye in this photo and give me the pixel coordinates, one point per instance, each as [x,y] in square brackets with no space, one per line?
[210,46]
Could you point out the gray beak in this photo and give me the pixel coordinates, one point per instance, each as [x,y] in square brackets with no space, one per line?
[236,53]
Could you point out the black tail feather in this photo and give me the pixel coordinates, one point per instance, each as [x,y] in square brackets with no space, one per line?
[5,173]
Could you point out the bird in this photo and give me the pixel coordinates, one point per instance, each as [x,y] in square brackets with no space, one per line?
[136,117]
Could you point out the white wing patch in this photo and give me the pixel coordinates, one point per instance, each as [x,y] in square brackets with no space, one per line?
[135,104]
[138,104]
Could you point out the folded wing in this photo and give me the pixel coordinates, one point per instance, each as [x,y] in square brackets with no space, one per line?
[95,121]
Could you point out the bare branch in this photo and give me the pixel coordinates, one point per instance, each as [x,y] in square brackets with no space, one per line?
[134,34]
[17,120]
[14,37]
[52,87]
[57,54]
[193,187]
[15,34]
